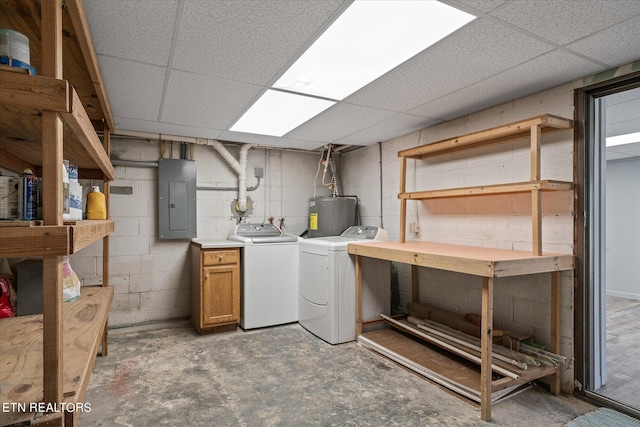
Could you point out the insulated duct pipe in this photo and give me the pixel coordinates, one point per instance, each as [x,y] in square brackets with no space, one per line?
[240,167]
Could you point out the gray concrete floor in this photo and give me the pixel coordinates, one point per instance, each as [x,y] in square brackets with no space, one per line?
[281,376]
[623,353]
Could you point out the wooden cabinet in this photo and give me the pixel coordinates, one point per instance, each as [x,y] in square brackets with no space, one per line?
[44,119]
[490,264]
[215,288]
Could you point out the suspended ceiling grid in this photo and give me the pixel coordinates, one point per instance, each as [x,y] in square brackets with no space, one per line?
[193,67]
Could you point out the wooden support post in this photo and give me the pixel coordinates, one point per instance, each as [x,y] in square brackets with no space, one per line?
[536,201]
[536,136]
[554,347]
[52,140]
[403,201]
[415,284]
[52,328]
[536,221]
[358,296]
[105,244]
[486,341]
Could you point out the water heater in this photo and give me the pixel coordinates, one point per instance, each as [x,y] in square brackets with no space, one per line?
[330,216]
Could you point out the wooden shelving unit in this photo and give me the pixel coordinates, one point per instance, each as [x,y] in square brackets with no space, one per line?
[21,350]
[488,263]
[534,128]
[45,118]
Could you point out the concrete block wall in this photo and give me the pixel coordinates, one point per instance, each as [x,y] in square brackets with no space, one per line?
[522,304]
[151,276]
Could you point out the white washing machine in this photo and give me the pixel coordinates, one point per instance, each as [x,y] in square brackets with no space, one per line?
[327,299]
[269,279]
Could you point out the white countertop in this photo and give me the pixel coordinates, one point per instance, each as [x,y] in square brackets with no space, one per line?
[215,244]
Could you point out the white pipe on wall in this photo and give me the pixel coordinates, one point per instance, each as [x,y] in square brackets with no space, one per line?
[242,178]
[240,167]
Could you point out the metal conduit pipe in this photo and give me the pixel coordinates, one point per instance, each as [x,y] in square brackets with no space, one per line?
[134,163]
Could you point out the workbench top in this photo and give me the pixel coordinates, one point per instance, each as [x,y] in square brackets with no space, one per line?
[216,244]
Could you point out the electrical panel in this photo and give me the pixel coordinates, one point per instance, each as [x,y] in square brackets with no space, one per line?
[176,199]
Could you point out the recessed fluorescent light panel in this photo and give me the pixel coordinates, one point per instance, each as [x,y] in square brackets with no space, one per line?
[628,138]
[276,113]
[369,39]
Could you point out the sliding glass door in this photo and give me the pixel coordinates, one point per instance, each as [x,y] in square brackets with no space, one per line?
[608,243]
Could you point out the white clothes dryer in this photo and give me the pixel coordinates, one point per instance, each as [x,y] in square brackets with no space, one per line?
[269,275]
[327,298]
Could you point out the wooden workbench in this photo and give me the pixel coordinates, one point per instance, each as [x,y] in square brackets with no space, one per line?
[487,263]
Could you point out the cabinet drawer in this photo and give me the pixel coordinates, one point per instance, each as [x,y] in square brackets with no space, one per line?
[220,257]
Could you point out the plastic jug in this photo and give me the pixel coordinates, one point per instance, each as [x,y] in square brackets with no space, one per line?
[96,204]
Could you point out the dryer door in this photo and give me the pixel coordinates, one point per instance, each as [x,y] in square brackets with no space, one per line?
[314,277]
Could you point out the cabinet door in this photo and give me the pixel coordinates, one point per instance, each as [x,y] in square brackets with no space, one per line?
[220,295]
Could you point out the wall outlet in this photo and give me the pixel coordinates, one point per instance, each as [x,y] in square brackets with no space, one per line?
[413,228]
[258,172]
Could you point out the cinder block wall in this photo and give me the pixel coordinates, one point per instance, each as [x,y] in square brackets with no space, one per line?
[522,304]
[151,276]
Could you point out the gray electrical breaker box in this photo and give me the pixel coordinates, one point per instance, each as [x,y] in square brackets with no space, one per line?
[176,199]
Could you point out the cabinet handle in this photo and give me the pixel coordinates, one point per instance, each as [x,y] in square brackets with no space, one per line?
[206,276]
[220,259]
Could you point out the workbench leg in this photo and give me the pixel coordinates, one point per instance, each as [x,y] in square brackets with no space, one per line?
[415,284]
[486,341]
[555,385]
[358,297]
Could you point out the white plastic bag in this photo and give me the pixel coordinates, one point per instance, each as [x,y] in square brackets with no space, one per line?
[70,282]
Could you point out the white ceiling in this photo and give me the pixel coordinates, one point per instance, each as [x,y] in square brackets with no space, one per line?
[193,67]
[622,112]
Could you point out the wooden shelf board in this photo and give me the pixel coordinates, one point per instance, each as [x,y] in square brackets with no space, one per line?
[517,187]
[485,262]
[547,122]
[23,98]
[45,240]
[21,379]
[532,373]
[452,373]
[84,233]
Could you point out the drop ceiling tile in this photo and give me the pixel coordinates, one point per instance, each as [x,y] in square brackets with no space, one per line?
[622,127]
[453,63]
[483,5]
[631,95]
[534,76]
[137,30]
[247,41]
[124,123]
[269,141]
[624,111]
[134,88]
[205,101]
[339,121]
[564,21]
[614,46]
[398,125]
[623,151]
